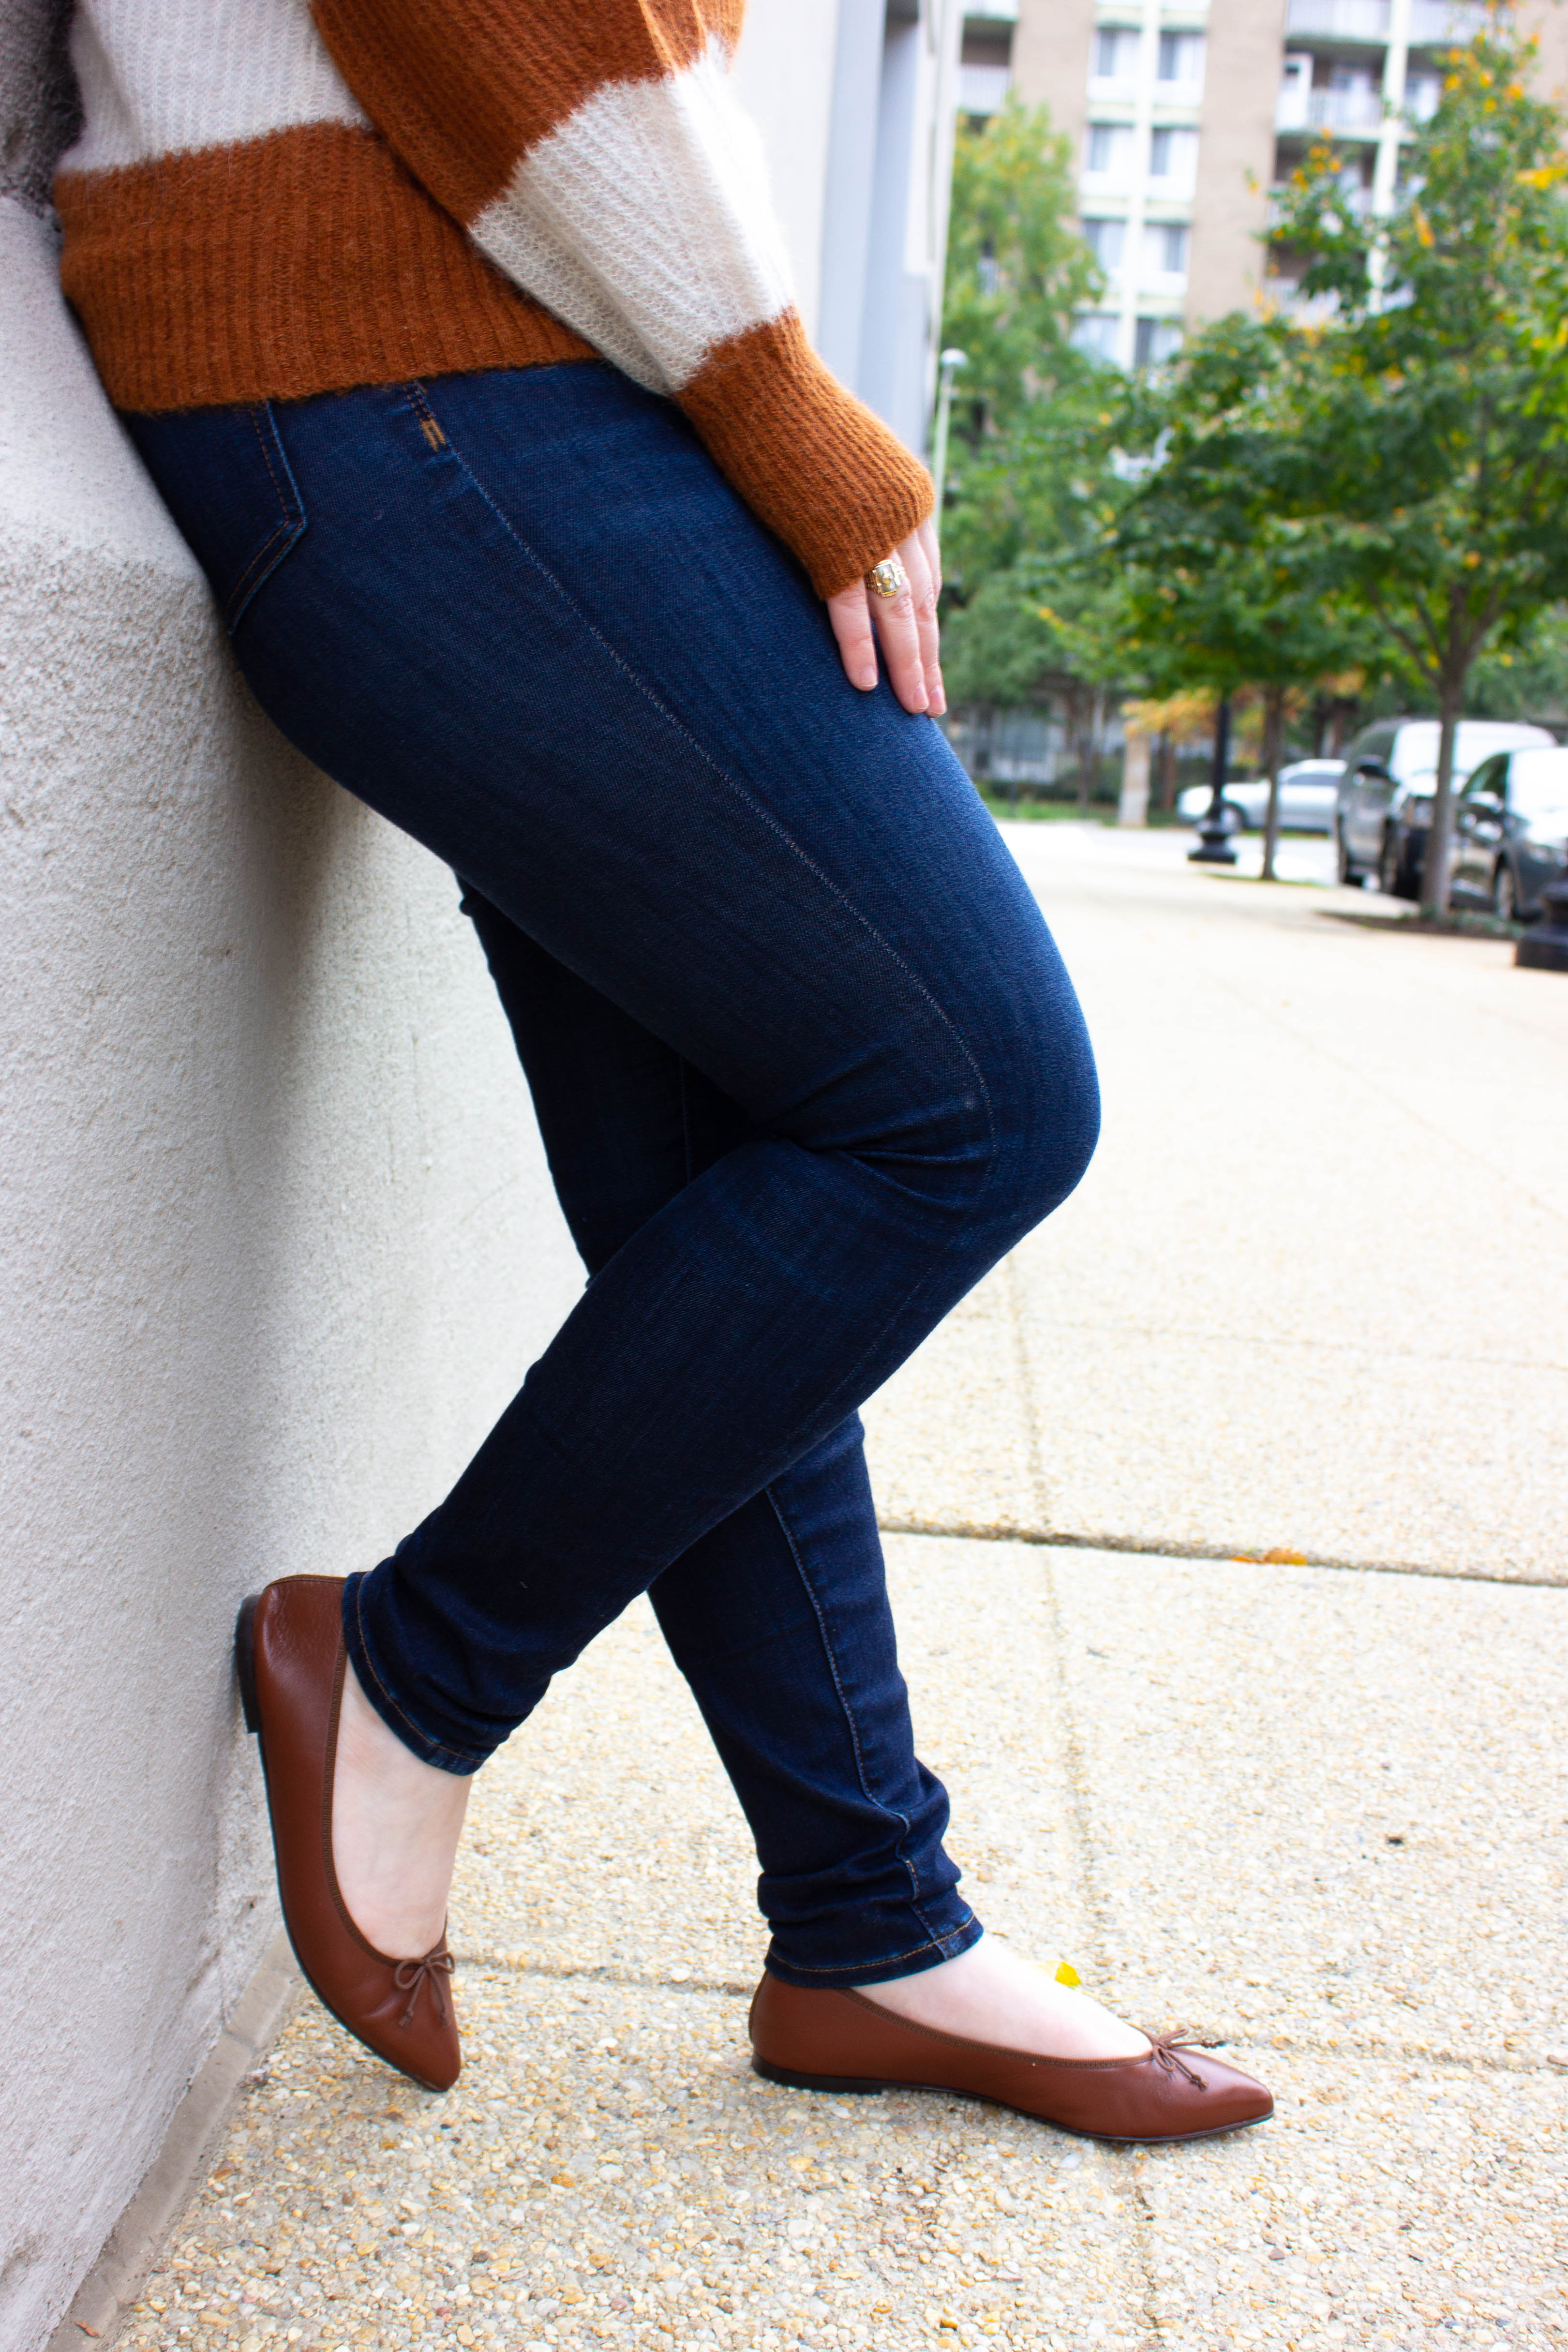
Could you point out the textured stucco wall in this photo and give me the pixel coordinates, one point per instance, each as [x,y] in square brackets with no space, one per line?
[276,1245]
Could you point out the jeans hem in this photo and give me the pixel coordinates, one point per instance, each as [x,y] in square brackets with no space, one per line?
[844,1977]
[461,1761]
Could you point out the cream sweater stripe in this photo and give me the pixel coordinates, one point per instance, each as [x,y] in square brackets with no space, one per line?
[169,77]
[644,222]
[262,208]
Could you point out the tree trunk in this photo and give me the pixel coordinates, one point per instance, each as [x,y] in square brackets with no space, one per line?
[1273,749]
[1165,802]
[1087,707]
[1440,834]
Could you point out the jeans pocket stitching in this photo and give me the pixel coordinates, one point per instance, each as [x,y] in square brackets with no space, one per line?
[290,525]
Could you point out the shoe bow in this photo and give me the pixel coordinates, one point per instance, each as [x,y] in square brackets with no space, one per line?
[409,1974]
[1166,2050]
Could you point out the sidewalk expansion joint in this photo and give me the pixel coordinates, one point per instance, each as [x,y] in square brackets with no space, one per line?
[1405,2054]
[1287,2044]
[1179,1548]
[606,1972]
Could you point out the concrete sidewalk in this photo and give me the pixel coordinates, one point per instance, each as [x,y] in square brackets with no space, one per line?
[1314,1292]
[1309,1299]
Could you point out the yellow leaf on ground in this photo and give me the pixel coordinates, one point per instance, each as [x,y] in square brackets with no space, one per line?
[1067,1974]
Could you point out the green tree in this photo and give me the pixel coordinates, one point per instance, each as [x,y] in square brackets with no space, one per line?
[1037,605]
[1017,267]
[1429,414]
[1030,480]
[1220,588]
[1526,679]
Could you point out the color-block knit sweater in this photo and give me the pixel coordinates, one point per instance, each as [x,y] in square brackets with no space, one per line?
[270,200]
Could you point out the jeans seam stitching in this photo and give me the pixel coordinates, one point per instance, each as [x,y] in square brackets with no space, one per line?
[287,529]
[763,814]
[891,1813]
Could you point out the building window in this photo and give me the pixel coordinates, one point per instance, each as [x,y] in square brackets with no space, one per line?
[1095,332]
[1154,340]
[1107,241]
[1116,53]
[1181,57]
[1165,250]
[1110,150]
[1173,156]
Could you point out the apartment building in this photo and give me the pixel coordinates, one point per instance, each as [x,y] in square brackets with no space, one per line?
[856,99]
[1183,114]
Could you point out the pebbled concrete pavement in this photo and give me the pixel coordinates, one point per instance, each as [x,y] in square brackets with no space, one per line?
[1317,1814]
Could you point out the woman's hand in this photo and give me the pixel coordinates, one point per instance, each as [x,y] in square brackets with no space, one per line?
[906,624]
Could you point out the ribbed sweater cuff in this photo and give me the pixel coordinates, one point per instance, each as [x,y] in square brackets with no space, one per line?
[829,478]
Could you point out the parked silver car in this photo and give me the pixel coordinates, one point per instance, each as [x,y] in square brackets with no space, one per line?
[1510,832]
[1389,775]
[1309,792]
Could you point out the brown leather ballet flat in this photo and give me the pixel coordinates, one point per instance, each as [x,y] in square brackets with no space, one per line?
[830,2041]
[288,1649]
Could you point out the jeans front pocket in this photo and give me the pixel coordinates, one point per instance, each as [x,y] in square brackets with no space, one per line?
[224,477]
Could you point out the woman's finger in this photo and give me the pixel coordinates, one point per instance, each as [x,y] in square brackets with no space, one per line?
[905,623]
[926,535]
[920,556]
[928,540]
[898,628]
[849,613]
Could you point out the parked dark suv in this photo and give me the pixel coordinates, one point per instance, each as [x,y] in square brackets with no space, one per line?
[1510,832]
[1385,793]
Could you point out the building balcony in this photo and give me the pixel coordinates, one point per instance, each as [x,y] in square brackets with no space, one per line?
[1434,24]
[983,89]
[1439,24]
[1337,20]
[1348,113]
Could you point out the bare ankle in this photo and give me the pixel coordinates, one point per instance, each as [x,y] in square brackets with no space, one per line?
[989,1994]
[396,1821]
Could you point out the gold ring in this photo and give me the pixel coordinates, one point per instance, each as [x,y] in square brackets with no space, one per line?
[888,578]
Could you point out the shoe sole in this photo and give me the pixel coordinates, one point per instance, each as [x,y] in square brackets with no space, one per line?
[861,2086]
[244,1663]
[244,1669]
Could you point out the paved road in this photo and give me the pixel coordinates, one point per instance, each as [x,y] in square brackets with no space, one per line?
[1309,1297]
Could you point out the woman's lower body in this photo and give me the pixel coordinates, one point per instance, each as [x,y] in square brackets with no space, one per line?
[805,1060]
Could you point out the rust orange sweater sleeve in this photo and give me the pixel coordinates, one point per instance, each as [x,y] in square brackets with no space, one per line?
[596,156]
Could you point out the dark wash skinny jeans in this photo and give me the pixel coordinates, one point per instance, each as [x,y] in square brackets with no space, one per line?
[804,1056]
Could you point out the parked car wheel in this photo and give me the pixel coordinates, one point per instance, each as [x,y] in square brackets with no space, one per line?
[1505,893]
[1394,869]
[1351,875]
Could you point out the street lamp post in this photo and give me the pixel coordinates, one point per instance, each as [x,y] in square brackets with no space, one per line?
[1213,840]
[947,368]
